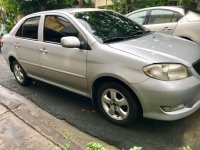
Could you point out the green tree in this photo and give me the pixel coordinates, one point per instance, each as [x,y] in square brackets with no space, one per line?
[191,4]
[89,3]
[9,12]
[119,6]
[151,3]
[30,6]
[124,6]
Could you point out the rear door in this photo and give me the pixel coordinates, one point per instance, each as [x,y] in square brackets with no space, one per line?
[27,46]
[164,21]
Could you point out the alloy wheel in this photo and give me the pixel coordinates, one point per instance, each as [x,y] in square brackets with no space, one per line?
[115,104]
[18,73]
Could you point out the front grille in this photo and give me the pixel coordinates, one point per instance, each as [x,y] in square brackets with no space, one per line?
[196,66]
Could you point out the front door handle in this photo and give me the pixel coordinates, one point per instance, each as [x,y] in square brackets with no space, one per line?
[16,45]
[167,28]
[43,51]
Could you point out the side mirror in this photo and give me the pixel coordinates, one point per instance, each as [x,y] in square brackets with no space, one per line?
[70,42]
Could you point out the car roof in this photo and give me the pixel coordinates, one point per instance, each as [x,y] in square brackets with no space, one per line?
[74,10]
[173,8]
[70,10]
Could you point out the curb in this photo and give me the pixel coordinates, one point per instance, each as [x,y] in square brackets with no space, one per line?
[57,131]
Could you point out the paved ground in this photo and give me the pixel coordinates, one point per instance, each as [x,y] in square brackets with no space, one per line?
[24,126]
[78,111]
[15,134]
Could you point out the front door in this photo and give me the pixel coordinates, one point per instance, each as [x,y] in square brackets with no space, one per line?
[63,66]
[164,21]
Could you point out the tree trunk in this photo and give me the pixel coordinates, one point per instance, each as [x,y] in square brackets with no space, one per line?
[81,3]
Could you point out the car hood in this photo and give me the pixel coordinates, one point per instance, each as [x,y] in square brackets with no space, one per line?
[158,47]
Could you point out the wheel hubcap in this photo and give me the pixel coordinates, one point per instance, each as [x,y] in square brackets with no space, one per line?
[115,104]
[18,73]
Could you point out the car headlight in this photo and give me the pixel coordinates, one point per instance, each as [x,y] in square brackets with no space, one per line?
[167,72]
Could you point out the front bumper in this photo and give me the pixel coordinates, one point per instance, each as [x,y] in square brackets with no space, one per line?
[153,94]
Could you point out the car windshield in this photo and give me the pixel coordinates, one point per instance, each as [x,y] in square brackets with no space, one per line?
[107,26]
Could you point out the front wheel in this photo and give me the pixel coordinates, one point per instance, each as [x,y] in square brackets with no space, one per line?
[20,74]
[117,103]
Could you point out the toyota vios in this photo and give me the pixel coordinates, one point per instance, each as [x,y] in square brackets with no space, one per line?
[128,71]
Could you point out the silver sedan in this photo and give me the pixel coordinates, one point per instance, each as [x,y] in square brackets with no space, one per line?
[128,71]
[171,20]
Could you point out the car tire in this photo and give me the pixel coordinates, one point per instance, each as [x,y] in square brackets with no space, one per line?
[20,74]
[117,104]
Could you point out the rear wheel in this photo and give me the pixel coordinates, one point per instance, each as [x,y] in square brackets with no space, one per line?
[117,103]
[20,74]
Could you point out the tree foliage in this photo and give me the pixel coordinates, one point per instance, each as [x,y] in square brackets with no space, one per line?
[151,3]
[191,4]
[30,6]
[89,3]
[124,6]
[9,12]
[118,5]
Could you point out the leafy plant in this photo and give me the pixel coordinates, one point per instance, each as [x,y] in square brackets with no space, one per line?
[136,148]
[187,148]
[151,3]
[66,145]
[95,146]
[89,3]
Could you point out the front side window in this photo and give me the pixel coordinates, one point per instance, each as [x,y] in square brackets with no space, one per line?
[138,17]
[29,29]
[107,26]
[56,27]
[176,17]
[160,16]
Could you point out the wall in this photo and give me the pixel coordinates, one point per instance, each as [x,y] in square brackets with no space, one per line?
[100,3]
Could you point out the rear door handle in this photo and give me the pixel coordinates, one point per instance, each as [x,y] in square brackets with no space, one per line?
[43,51]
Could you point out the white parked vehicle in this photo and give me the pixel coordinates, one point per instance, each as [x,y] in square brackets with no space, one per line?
[170,20]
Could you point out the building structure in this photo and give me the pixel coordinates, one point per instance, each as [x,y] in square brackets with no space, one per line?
[102,3]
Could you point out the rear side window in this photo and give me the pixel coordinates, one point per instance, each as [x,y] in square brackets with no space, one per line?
[29,29]
[56,27]
[138,17]
[160,16]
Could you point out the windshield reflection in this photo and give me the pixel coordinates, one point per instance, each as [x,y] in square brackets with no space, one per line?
[107,26]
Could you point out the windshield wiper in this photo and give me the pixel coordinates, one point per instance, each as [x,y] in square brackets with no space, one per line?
[121,38]
[137,34]
[114,39]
